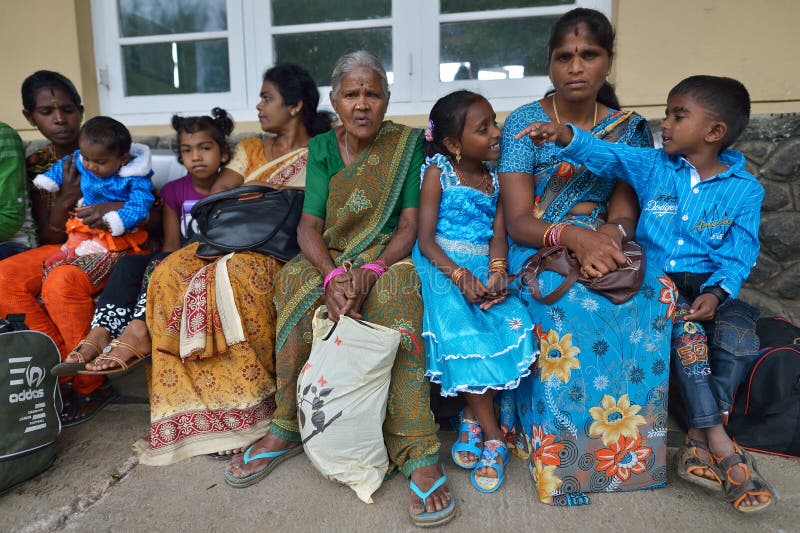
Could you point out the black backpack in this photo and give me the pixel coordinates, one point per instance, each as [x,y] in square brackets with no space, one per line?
[766,408]
[30,402]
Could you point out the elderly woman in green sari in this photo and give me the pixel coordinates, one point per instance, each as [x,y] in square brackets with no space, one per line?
[362,197]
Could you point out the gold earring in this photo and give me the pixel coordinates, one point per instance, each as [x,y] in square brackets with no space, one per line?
[458,156]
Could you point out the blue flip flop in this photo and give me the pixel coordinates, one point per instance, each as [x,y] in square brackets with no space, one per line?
[474,437]
[495,456]
[255,477]
[433,518]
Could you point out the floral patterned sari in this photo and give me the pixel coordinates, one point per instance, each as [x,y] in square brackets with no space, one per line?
[592,416]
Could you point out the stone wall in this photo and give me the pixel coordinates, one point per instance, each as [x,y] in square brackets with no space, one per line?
[771,144]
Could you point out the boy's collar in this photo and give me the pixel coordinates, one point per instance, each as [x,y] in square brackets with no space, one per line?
[732,158]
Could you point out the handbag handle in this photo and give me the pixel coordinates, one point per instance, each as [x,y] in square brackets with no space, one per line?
[262,241]
[544,258]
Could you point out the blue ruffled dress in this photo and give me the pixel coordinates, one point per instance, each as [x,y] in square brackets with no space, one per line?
[468,349]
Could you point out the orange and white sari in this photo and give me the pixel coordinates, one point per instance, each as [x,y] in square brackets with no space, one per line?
[219,393]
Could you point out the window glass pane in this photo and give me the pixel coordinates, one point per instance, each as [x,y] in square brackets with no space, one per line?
[176,68]
[461,6]
[493,49]
[307,11]
[318,51]
[159,17]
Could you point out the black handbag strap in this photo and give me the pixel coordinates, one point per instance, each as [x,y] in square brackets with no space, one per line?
[263,241]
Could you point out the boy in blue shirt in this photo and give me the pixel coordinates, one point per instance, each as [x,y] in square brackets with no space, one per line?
[700,214]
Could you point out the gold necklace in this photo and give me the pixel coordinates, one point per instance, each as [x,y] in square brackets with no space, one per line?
[555,110]
[347,149]
[483,185]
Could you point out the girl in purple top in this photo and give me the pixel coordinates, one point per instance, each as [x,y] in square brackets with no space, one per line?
[203,149]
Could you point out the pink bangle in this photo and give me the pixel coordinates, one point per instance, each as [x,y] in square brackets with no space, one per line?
[379,267]
[332,274]
[554,237]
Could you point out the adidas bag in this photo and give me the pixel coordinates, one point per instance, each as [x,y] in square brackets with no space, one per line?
[766,409]
[30,402]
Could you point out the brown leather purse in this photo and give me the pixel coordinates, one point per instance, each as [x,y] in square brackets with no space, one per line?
[618,286]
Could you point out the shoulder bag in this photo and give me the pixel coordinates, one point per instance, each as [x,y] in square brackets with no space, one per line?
[618,286]
[252,218]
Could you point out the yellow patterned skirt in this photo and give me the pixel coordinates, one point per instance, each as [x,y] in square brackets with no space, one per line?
[225,399]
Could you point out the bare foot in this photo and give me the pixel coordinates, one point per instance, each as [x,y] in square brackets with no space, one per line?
[231,452]
[699,435]
[97,339]
[722,446]
[268,443]
[424,478]
[486,471]
[79,408]
[475,429]
[137,335]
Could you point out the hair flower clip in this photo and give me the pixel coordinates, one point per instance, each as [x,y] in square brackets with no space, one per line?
[429,131]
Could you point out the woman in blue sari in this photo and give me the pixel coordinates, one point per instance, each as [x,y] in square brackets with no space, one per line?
[592,416]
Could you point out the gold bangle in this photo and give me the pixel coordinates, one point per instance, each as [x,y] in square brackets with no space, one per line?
[457,274]
[546,233]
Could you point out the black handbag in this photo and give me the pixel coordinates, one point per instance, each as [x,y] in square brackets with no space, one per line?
[251,218]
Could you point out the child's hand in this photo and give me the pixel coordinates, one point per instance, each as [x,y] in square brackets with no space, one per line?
[703,308]
[496,290]
[613,232]
[92,215]
[472,288]
[70,191]
[497,283]
[543,132]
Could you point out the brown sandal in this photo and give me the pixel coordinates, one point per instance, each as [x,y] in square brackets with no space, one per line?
[68,369]
[123,366]
[753,484]
[688,462]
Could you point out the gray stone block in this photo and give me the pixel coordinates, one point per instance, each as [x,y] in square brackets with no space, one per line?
[780,236]
[765,268]
[777,196]
[769,305]
[149,140]
[771,127]
[784,163]
[787,284]
[755,151]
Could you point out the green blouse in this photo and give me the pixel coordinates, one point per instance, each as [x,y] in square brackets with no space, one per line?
[324,160]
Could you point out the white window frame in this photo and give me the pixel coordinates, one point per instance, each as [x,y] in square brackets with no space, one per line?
[400,87]
[157,109]
[507,94]
[415,57]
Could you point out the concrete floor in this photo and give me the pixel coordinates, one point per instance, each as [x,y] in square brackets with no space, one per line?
[97,485]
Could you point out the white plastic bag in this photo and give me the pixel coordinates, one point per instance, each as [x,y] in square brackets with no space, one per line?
[341,400]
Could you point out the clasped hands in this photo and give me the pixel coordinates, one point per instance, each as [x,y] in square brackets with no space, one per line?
[346,292]
[486,295]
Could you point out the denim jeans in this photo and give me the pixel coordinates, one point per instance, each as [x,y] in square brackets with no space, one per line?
[711,359]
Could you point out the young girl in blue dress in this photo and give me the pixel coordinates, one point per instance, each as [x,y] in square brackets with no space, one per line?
[478,339]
